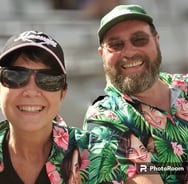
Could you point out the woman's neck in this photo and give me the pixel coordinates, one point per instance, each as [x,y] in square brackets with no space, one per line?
[29,145]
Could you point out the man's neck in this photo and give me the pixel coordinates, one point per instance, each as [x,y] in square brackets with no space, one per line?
[158,95]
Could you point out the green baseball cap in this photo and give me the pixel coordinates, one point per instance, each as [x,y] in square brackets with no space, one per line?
[122,13]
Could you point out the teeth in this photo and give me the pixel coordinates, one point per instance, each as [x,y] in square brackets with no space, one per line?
[30,108]
[132,64]
[125,59]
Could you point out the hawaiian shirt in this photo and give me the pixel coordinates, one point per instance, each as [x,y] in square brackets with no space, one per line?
[64,139]
[117,118]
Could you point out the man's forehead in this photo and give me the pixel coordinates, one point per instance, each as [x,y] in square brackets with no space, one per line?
[119,31]
[128,25]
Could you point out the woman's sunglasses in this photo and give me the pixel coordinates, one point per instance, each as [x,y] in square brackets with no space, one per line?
[46,79]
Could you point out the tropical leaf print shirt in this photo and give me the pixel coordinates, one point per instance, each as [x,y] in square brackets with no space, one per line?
[64,140]
[116,116]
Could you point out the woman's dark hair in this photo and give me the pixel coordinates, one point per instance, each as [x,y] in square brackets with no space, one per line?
[125,142]
[35,54]
[67,164]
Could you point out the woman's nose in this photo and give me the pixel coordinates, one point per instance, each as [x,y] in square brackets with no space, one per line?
[31,89]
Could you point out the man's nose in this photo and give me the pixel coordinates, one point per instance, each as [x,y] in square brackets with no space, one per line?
[128,50]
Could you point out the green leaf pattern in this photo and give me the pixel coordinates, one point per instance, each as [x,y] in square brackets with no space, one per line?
[116,113]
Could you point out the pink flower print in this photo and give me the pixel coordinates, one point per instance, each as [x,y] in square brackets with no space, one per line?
[178,150]
[85,162]
[110,115]
[61,137]
[53,175]
[92,112]
[180,84]
[180,101]
[126,97]
[131,171]
[1,166]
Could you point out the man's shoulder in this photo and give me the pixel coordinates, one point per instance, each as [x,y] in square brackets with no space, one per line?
[100,105]
[174,76]
[98,99]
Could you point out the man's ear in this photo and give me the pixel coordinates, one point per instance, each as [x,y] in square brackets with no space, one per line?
[157,37]
[100,50]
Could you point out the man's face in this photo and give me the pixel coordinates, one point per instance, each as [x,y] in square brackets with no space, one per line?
[131,56]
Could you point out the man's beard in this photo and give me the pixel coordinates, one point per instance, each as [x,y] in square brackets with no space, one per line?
[137,82]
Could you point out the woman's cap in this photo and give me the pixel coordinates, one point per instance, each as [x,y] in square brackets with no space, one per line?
[34,39]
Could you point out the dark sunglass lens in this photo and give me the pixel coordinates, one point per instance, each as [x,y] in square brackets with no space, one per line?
[115,46]
[50,82]
[13,78]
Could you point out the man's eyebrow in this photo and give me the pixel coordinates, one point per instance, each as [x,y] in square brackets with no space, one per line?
[113,38]
[139,33]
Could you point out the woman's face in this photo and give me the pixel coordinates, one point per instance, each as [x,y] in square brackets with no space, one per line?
[137,151]
[29,108]
[153,116]
[75,178]
[182,111]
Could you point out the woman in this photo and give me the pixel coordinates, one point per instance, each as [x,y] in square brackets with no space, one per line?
[33,85]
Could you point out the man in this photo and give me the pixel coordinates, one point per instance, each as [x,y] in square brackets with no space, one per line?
[130,50]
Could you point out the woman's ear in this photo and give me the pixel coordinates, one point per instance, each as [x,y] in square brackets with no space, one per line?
[63,94]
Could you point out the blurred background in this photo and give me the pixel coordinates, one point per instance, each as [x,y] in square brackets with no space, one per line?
[74,23]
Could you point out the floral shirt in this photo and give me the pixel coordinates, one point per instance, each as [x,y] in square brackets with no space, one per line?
[117,116]
[64,139]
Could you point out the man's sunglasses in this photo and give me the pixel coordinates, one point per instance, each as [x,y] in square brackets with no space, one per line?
[46,79]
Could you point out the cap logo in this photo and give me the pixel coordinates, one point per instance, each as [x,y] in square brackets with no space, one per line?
[128,11]
[39,36]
